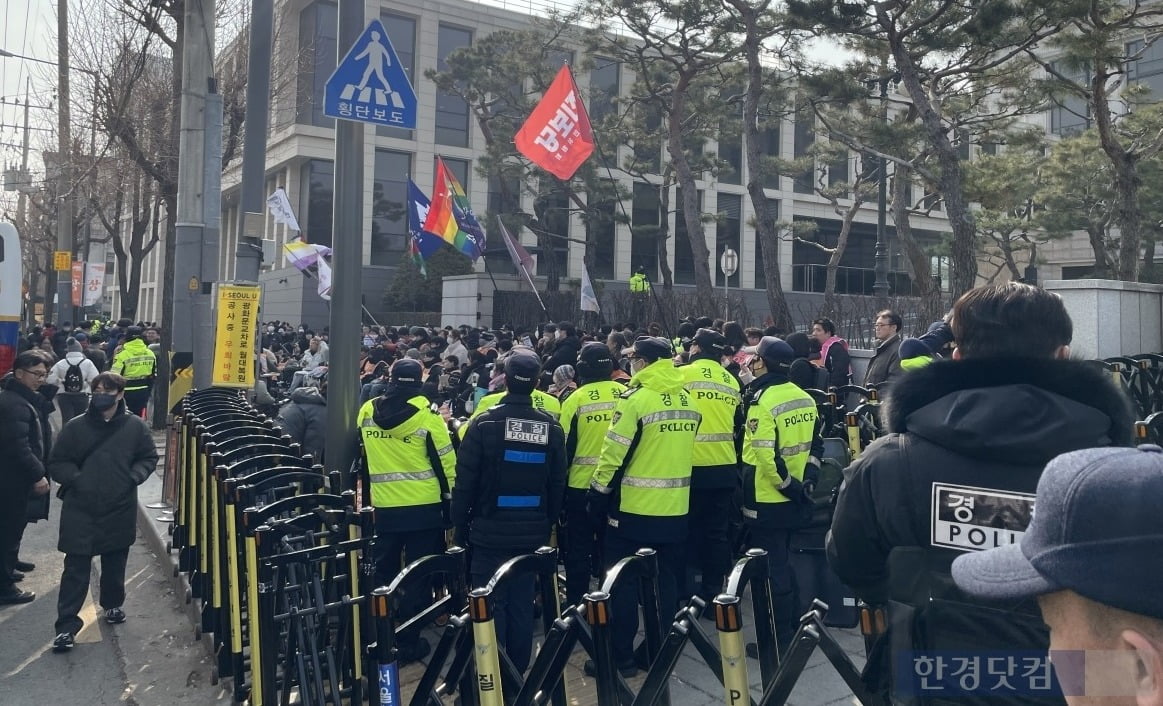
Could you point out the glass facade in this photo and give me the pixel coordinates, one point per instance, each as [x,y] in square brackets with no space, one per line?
[644,217]
[727,233]
[452,114]
[605,81]
[601,231]
[402,35]
[318,187]
[390,207]
[317,50]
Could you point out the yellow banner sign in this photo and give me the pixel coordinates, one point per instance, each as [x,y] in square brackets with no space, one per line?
[62,260]
[234,336]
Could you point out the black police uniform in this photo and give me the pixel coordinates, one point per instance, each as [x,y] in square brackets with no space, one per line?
[511,477]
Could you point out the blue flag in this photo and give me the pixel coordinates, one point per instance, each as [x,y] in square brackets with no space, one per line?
[423,244]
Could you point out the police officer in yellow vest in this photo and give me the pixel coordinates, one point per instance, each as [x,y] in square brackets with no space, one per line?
[585,418]
[641,487]
[138,365]
[715,476]
[780,467]
[410,470]
[638,282]
[511,477]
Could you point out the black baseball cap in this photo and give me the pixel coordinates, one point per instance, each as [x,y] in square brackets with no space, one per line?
[594,359]
[651,348]
[710,341]
[522,366]
[1096,530]
[406,371]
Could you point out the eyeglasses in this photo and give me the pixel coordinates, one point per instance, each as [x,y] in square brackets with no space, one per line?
[881,325]
[36,376]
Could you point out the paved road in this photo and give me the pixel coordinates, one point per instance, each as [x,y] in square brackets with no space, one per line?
[150,660]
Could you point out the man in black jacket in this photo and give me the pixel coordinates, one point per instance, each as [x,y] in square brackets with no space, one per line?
[25,438]
[510,487]
[103,455]
[969,439]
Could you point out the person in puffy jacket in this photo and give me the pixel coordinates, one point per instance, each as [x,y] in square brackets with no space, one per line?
[304,418]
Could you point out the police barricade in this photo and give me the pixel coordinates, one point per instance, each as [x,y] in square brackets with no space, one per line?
[1136,376]
[195,403]
[388,625]
[307,559]
[252,482]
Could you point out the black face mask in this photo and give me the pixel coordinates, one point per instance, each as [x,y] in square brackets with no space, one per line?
[103,402]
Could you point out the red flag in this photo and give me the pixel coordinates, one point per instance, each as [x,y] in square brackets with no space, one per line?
[557,136]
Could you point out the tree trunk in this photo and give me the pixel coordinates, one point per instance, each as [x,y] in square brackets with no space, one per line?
[932,308]
[833,265]
[690,195]
[765,232]
[664,236]
[1128,215]
[1096,235]
[952,181]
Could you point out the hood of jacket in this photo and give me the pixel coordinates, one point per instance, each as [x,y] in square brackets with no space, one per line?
[1024,410]
[660,376]
[398,410]
[75,357]
[308,395]
[136,346]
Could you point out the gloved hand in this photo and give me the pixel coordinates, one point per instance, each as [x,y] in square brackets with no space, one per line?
[460,536]
[597,507]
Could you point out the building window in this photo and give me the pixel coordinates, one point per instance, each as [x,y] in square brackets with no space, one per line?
[402,35]
[731,153]
[317,50]
[319,182]
[645,222]
[1146,67]
[684,260]
[390,207]
[601,231]
[451,110]
[838,170]
[730,225]
[605,81]
[805,136]
[554,214]
[458,168]
[1071,112]
[647,151]
[760,278]
[504,199]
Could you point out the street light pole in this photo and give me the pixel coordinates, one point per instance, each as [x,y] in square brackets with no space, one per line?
[65,238]
[880,261]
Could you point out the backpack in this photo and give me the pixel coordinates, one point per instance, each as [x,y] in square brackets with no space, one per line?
[74,380]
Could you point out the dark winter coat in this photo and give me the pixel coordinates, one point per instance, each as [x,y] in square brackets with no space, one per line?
[304,418]
[564,353]
[25,436]
[991,423]
[99,465]
[885,366]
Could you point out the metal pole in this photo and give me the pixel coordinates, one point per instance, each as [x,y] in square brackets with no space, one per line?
[64,288]
[880,262]
[191,292]
[346,265]
[252,201]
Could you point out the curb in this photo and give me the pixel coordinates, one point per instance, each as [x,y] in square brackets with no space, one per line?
[157,537]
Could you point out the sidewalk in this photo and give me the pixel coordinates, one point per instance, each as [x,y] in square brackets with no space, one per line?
[691,684]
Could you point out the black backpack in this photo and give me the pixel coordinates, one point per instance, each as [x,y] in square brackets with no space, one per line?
[74,379]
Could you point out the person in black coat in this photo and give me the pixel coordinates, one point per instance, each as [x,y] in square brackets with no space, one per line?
[968,440]
[510,488]
[565,347]
[25,439]
[99,460]
[304,418]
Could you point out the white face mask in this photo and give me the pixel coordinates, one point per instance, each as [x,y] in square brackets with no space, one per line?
[270,329]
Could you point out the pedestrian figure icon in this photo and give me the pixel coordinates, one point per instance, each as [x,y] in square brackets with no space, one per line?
[370,85]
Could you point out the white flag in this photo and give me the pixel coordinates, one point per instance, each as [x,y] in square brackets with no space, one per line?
[589,300]
[94,283]
[280,207]
[324,279]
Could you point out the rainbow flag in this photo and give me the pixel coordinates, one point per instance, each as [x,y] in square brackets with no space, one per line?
[450,215]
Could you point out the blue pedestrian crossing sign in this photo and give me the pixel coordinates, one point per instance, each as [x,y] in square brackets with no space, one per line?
[370,85]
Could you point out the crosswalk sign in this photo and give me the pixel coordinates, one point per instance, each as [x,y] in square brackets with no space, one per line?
[370,85]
